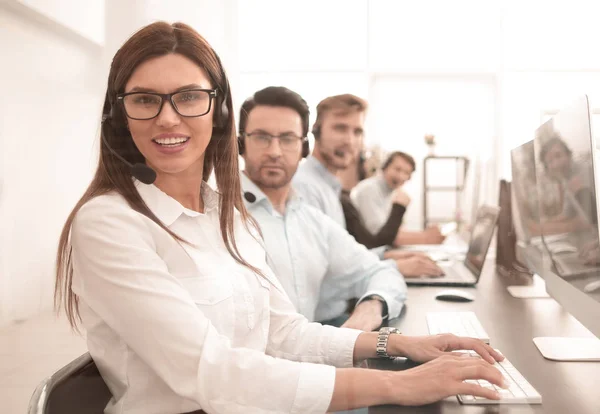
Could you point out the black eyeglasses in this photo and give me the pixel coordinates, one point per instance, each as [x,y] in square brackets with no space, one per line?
[287,141]
[147,105]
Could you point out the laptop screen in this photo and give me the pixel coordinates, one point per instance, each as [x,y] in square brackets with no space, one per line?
[481,237]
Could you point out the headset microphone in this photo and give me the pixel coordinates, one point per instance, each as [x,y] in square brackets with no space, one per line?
[140,171]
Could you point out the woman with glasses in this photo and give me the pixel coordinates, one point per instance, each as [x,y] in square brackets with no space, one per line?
[168,277]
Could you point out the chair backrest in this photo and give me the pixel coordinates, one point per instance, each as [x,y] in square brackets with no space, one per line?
[74,389]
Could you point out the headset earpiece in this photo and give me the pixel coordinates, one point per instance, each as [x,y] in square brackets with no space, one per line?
[221,110]
[316,131]
[240,145]
[305,148]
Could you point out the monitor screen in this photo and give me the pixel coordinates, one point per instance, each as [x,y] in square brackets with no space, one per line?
[524,195]
[481,237]
[565,157]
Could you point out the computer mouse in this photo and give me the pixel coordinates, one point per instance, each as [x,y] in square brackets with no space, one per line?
[452,295]
[592,286]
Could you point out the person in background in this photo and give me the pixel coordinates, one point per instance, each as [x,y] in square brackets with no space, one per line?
[338,132]
[373,199]
[410,264]
[306,248]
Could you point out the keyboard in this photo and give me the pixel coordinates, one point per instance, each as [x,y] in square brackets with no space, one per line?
[457,271]
[572,265]
[520,391]
[457,323]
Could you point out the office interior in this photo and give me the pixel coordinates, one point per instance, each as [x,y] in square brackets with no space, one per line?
[482,77]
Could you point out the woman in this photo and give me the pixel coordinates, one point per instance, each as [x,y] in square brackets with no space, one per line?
[169,278]
[566,203]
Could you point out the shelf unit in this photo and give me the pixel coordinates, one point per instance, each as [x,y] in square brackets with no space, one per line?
[461,166]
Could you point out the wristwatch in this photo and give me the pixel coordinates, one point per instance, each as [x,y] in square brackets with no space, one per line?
[384,306]
[382,340]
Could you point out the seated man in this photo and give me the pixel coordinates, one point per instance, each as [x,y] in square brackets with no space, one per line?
[349,178]
[373,199]
[318,263]
[338,133]
[408,262]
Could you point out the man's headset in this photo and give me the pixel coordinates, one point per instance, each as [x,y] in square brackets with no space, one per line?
[316,131]
[305,143]
[140,170]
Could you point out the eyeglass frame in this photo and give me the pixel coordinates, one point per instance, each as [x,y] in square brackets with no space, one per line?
[212,94]
[302,139]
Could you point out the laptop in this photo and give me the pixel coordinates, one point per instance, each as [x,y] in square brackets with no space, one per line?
[467,272]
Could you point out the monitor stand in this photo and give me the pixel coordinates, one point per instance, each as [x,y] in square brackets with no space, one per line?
[569,349]
[536,290]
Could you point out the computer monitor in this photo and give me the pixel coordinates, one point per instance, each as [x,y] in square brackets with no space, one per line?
[524,206]
[471,194]
[507,261]
[565,163]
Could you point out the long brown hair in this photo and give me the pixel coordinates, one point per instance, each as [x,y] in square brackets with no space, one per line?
[154,40]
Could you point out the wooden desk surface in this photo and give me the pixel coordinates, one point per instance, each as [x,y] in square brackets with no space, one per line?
[566,387]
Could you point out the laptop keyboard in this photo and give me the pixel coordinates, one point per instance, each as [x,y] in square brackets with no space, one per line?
[520,391]
[572,265]
[457,271]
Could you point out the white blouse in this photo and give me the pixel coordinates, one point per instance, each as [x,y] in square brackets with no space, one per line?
[176,327]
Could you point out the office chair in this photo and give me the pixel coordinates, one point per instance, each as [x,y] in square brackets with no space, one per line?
[74,389]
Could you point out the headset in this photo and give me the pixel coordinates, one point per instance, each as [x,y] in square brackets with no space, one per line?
[316,131]
[220,118]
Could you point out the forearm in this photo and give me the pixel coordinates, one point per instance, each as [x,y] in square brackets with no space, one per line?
[357,388]
[390,229]
[564,226]
[365,347]
[404,238]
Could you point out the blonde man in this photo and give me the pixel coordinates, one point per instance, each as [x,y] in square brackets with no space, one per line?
[338,133]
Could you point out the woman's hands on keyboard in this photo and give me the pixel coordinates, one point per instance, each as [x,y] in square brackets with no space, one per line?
[444,377]
[427,348]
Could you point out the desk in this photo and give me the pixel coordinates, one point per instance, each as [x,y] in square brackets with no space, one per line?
[566,387]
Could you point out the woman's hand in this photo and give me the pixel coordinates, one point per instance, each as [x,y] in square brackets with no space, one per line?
[427,348]
[444,377]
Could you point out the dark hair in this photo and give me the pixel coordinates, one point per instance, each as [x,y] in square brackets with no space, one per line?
[278,96]
[154,40]
[409,159]
[546,146]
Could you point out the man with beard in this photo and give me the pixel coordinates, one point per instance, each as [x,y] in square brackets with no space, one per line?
[318,263]
[338,132]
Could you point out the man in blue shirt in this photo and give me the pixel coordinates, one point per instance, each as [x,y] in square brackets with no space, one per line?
[338,132]
[318,263]
[341,123]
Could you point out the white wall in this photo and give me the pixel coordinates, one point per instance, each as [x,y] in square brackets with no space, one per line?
[86,18]
[528,95]
[459,110]
[50,106]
